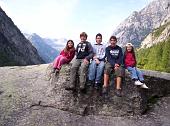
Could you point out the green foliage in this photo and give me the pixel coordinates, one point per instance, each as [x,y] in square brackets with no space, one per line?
[156,57]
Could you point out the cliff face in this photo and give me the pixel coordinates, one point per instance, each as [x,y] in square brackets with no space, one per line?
[29,98]
[138,25]
[158,35]
[15,49]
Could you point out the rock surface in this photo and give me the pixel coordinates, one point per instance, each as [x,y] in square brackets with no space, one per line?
[28,98]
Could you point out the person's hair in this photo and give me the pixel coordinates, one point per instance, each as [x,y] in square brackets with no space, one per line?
[83,34]
[113,37]
[66,49]
[132,51]
[100,35]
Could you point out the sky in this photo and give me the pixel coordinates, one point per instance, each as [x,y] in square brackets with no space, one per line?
[68,18]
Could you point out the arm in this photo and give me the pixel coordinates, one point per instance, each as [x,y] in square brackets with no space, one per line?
[90,51]
[119,60]
[62,52]
[71,56]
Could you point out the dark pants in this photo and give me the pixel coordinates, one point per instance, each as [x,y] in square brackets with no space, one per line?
[77,65]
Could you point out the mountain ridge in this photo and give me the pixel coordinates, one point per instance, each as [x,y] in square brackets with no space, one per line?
[15,49]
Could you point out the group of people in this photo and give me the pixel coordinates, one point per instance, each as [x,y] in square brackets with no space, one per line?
[93,62]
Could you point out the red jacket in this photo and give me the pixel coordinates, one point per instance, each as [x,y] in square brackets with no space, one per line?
[129,60]
[69,54]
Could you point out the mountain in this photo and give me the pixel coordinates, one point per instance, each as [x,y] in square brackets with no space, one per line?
[15,49]
[138,25]
[155,51]
[45,47]
[158,35]
[58,44]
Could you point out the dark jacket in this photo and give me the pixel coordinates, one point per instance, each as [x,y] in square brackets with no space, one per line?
[114,55]
[84,50]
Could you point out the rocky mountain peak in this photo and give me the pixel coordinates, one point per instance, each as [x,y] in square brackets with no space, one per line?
[139,24]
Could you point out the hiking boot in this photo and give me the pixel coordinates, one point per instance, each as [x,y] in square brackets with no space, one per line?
[70,88]
[144,86]
[105,90]
[137,82]
[118,92]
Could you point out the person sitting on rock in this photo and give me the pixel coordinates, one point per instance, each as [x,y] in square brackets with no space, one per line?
[130,65]
[66,55]
[114,57]
[84,52]
[96,67]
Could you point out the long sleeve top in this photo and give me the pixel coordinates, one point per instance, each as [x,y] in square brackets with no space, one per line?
[68,54]
[114,55]
[84,50]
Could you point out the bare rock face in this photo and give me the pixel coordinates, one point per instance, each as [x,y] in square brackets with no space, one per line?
[15,49]
[29,96]
[138,25]
[152,38]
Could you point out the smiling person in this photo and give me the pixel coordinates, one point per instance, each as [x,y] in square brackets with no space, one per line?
[96,67]
[130,65]
[84,52]
[66,55]
[114,57]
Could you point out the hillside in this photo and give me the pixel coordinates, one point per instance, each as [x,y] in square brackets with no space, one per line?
[155,50]
[45,50]
[15,49]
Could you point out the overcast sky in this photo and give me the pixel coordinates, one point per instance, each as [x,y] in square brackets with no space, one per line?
[68,18]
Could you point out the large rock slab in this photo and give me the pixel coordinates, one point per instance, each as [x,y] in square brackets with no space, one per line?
[29,98]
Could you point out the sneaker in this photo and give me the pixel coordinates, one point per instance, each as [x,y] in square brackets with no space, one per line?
[53,71]
[138,82]
[144,86]
[118,92]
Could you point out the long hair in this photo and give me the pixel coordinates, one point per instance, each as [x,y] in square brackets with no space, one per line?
[66,49]
[132,51]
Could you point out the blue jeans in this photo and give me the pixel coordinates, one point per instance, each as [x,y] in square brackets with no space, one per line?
[135,73]
[96,71]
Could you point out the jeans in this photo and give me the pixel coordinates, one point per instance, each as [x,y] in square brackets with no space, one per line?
[135,73]
[96,71]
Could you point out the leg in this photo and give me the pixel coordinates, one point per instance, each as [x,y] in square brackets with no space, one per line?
[99,73]
[62,61]
[83,74]
[107,72]
[133,72]
[119,74]
[140,75]
[92,71]
[56,61]
[73,72]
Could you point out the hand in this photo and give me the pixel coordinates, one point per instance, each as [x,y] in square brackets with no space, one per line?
[85,61]
[97,61]
[95,57]
[116,66]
